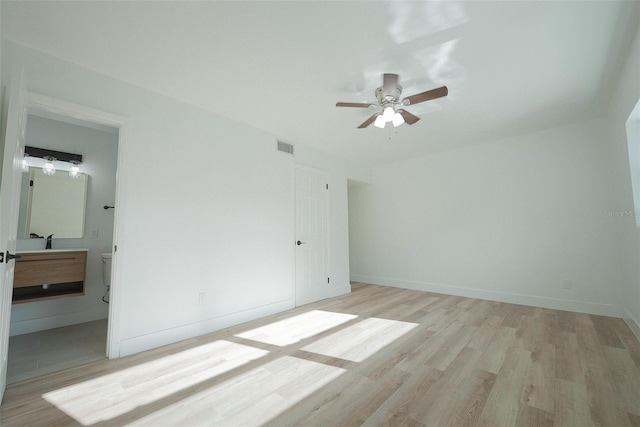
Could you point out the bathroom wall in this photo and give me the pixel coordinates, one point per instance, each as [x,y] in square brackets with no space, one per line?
[99,151]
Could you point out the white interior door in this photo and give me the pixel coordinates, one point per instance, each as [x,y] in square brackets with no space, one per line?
[312,234]
[14,124]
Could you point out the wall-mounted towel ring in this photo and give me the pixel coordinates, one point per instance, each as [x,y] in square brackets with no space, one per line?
[109,207]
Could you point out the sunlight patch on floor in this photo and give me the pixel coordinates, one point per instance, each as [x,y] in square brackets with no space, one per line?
[117,393]
[181,388]
[361,340]
[293,329]
[267,390]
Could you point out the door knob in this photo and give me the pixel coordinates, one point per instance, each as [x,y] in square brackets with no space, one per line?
[300,243]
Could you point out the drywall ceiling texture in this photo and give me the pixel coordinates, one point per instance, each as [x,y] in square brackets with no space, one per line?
[511,67]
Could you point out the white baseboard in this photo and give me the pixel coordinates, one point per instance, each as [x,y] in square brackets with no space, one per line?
[633,324]
[512,298]
[51,322]
[169,336]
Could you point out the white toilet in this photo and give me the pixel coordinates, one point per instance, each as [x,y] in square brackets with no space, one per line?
[106,274]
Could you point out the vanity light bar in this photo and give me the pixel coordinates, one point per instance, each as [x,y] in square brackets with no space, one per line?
[58,155]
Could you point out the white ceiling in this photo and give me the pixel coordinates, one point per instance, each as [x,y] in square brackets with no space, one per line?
[511,67]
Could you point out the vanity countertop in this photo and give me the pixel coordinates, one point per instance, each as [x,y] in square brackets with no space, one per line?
[33,251]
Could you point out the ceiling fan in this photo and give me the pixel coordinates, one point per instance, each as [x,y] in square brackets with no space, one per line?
[391,108]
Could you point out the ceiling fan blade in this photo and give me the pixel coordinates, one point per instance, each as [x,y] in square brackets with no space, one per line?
[354,104]
[426,96]
[408,117]
[368,121]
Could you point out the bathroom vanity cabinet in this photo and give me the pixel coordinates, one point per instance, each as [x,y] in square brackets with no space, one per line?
[41,275]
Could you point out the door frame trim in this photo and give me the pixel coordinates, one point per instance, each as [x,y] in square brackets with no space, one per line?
[100,119]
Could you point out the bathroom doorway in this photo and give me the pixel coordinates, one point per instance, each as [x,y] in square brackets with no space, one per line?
[57,333]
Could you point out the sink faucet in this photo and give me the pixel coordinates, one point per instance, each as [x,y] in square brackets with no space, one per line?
[49,241]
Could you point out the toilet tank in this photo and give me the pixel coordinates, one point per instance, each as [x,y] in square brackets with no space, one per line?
[106,269]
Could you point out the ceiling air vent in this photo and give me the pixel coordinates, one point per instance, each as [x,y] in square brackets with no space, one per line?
[285,148]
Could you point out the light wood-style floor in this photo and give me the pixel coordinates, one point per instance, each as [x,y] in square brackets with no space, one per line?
[379,356]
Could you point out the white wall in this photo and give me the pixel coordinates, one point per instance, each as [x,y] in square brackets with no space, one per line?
[626,96]
[508,220]
[99,150]
[204,205]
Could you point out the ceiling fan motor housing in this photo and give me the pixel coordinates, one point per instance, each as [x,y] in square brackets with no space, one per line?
[390,90]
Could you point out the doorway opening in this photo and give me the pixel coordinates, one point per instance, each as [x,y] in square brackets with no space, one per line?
[633,144]
[359,229]
[49,334]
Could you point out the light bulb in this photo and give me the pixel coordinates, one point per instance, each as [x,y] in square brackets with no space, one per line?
[48,168]
[74,172]
[397,120]
[25,163]
[380,122]
[388,114]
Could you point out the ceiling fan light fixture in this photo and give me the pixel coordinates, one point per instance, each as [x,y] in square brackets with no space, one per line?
[388,96]
[397,120]
[387,114]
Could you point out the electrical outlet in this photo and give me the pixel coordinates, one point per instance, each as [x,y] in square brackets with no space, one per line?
[201,297]
[94,233]
[567,284]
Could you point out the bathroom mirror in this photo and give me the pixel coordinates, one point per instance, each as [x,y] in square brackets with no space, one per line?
[52,204]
